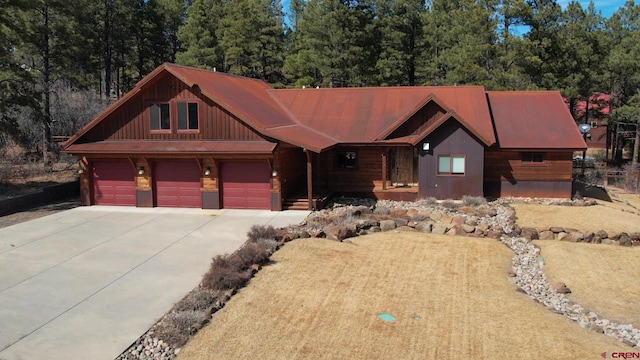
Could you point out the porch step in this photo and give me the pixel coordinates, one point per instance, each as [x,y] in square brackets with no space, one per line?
[296,204]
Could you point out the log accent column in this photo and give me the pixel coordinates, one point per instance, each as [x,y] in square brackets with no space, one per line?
[309,179]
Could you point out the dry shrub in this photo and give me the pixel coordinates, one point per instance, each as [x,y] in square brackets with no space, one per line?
[473,200]
[381,210]
[198,300]
[188,321]
[252,253]
[449,204]
[345,220]
[225,273]
[171,334]
[427,201]
[261,232]
[270,245]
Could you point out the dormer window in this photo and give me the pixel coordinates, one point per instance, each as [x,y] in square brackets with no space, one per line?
[187,115]
[159,118]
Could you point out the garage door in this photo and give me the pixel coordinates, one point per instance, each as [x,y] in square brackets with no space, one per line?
[113,183]
[177,184]
[245,185]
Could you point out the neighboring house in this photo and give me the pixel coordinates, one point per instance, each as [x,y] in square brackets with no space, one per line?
[186,137]
[598,113]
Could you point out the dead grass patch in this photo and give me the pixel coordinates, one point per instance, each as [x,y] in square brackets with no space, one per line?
[604,216]
[603,278]
[450,296]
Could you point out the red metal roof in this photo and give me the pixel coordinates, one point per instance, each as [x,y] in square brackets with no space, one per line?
[173,147]
[361,115]
[317,119]
[533,120]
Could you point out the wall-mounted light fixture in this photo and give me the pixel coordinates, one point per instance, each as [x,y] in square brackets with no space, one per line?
[274,172]
[141,170]
[80,171]
[207,171]
[426,146]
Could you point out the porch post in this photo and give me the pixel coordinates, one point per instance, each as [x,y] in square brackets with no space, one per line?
[384,169]
[309,179]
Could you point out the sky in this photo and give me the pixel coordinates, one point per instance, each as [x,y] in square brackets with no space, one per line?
[607,7]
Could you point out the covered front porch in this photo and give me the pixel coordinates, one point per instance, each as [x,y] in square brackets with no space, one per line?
[378,172]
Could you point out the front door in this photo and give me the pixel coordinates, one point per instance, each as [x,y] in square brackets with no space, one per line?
[403,167]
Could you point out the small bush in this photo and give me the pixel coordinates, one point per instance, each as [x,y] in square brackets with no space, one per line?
[261,232]
[473,200]
[449,204]
[381,210]
[345,220]
[198,300]
[170,334]
[270,245]
[225,273]
[427,201]
[187,321]
[252,253]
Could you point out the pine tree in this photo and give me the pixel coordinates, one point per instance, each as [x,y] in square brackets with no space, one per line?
[252,36]
[198,36]
[399,27]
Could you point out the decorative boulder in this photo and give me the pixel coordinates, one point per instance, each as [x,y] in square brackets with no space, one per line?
[386,225]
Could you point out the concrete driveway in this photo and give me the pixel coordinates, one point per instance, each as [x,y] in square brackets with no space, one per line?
[86,283]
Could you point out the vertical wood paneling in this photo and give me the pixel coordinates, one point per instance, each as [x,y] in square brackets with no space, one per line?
[131,120]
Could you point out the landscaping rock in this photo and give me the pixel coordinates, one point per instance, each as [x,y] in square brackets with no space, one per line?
[339,233]
[563,236]
[483,227]
[602,234]
[613,235]
[561,288]
[423,226]
[439,228]
[556,229]
[609,242]
[577,236]
[587,236]
[529,233]
[625,240]
[546,235]
[386,225]
[468,228]
[400,222]
[456,230]
[435,216]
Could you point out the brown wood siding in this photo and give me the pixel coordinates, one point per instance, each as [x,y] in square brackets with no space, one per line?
[507,166]
[292,174]
[367,176]
[507,175]
[131,121]
[419,121]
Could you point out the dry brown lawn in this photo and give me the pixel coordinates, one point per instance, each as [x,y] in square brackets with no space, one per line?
[450,296]
[620,215]
[603,278]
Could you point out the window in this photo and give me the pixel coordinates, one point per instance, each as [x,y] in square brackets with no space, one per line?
[346,160]
[532,158]
[159,118]
[187,116]
[451,164]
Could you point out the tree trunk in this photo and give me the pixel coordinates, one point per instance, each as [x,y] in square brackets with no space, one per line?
[46,86]
[636,148]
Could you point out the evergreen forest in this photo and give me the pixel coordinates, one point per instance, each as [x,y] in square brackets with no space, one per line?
[62,62]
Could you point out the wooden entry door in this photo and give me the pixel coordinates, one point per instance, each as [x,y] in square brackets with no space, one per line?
[403,166]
